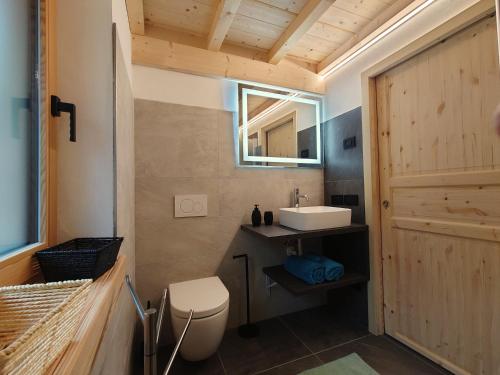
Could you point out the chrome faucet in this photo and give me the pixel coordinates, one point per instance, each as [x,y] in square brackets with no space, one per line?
[297,196]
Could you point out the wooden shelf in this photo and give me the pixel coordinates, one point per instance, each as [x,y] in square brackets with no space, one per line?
[278,232]
[298,287]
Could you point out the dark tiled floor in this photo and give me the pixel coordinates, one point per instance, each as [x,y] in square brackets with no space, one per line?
[275,345]
[384,355]
[296,342]
[319,329]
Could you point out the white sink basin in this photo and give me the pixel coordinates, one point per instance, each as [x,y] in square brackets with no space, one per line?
[314,218]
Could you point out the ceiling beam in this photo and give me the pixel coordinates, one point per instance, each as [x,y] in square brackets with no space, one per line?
[135,10]
[170,55]
[226,10]
[309,15]
[375,27]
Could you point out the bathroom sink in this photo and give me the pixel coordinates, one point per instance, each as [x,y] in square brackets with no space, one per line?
[314,218]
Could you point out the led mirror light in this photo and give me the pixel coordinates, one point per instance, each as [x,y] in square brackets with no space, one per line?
[283,99]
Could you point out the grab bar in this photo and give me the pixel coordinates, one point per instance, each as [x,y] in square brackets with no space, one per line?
[179,342]
[137,303]
[149,322]
[160,317]
[152,323]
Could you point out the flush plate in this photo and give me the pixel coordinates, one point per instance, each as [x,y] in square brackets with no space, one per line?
[191,205]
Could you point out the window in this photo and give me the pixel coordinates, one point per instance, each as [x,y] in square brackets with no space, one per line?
[25,166]
[20,130]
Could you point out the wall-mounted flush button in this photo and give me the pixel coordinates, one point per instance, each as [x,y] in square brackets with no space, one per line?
[191,205]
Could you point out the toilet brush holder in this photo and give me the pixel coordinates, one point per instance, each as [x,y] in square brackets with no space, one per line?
[247,330]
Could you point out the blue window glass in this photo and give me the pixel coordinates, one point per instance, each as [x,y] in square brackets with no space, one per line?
[19,124]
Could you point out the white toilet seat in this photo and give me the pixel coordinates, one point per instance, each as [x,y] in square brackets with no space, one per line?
[209,300]
[205,297]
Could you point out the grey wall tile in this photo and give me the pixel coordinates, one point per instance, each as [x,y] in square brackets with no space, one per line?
[344,168]
[306,140]
[343,164]
[183,150]
[175,141]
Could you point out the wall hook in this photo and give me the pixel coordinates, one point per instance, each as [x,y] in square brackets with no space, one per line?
[57,106]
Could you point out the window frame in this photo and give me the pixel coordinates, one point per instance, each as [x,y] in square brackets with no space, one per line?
[20,266]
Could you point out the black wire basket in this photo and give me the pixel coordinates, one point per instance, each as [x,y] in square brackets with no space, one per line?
[80,258]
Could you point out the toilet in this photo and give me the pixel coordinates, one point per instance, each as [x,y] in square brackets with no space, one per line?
[209,300]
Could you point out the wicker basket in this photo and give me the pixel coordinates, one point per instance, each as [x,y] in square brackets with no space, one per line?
[37,322]
[81,258]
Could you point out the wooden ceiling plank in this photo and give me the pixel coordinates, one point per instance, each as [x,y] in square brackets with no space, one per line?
[386,19]
[169,55]
[190,16]
[364,8]
[135,10]
[343,19]
[226,10]
[267,13]
[310,14]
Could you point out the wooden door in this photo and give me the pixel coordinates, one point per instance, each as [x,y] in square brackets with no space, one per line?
[440,187]
[281,141]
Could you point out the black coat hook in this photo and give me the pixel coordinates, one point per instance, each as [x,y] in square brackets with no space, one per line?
[57,106]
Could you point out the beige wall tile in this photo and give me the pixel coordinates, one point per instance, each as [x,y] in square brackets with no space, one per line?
[172,250]
[176,142]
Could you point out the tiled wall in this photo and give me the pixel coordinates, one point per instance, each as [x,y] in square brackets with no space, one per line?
[188,150]
[344,168]
[306,141]
[344,175]
[114,354]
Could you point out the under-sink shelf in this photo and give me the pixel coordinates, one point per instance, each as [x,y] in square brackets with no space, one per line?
[298,287]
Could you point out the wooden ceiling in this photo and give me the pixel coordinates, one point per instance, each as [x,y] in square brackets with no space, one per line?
[294,34]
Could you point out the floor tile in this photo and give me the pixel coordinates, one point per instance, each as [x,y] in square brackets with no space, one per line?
[274,346]
[210,366]
[385,356]
[293,368]
[320,329]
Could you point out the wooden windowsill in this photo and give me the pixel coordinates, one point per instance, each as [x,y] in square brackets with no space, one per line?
[79,355]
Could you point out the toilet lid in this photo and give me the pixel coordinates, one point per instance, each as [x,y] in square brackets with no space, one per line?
[205,296]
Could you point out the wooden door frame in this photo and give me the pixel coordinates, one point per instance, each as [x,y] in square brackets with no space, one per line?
[476,12]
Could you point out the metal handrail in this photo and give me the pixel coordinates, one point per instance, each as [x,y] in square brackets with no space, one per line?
[179,343]
[135,298]
[149,322]
[160,316]
[152,323]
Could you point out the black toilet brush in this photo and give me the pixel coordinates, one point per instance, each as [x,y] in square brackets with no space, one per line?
[247,330]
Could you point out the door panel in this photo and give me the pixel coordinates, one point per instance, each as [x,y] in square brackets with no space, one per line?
[281,141]
[440,177]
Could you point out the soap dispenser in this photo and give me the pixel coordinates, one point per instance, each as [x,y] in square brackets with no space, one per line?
[256,216]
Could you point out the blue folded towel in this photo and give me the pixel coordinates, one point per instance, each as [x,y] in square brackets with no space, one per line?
[305,269]
[333,270]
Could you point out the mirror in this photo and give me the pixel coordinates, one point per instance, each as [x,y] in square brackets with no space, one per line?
[279,127]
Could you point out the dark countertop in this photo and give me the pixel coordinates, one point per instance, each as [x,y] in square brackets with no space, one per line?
[278,232]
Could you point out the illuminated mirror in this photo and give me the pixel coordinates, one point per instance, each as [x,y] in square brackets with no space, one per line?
[279,127]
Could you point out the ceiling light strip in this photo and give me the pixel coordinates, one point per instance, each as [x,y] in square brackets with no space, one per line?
[379,37]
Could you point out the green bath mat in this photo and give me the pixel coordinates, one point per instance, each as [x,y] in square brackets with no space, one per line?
[348,365]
